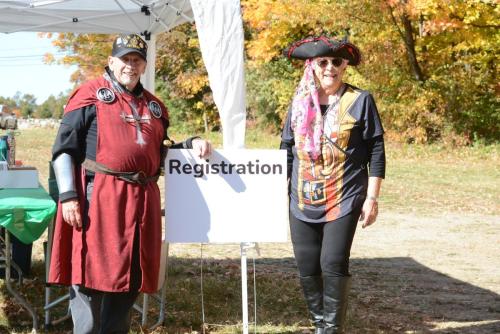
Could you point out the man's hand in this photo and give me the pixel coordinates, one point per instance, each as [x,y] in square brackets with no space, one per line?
[369,212]
[71,212]
[202,148]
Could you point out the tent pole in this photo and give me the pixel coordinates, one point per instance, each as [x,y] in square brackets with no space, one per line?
[148,78]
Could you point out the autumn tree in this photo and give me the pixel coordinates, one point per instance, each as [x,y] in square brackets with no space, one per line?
[26,103]
[9,102]
[89,52]
[183,80]
[431,64]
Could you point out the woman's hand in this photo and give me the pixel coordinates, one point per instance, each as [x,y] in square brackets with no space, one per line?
[369,212]
[202,148]
[71,212]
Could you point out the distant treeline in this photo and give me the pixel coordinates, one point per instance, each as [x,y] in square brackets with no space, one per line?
[25,106]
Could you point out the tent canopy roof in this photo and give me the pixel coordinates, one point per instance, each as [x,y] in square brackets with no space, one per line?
[103,16]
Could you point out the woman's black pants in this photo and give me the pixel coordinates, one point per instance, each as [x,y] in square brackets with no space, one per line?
[323,248]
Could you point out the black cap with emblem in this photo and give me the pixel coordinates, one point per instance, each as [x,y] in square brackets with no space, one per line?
[125,44]
[323,46]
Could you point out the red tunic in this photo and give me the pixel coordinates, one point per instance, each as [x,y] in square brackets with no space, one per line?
[99,255]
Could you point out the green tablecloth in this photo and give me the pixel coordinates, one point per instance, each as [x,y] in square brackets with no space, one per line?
[26,212]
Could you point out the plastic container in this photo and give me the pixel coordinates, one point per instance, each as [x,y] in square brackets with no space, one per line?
[4,149]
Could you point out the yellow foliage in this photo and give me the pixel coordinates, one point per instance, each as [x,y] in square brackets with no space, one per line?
[199,105]
[191,83]
[88,51]
[278,23]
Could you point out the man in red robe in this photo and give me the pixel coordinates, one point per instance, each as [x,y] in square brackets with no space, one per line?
[106,158]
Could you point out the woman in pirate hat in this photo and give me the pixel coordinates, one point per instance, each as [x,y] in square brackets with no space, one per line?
[336,163]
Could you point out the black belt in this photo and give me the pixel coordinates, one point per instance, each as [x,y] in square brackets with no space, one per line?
[132,177]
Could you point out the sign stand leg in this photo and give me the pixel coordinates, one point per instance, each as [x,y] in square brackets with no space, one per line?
[244,291]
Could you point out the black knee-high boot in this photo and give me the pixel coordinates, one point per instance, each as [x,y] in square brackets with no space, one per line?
[336,291]
[313,293]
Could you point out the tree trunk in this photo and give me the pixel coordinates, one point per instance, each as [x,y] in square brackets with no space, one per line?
[205,121]
[410,48]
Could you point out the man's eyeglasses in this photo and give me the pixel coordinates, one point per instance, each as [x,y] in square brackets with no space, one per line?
[323,62]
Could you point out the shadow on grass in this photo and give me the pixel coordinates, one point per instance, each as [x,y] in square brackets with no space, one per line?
[389,295]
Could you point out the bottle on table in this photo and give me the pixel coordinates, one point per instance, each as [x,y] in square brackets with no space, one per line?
[4,149]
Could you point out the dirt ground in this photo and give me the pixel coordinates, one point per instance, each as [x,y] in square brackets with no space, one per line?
[429,274]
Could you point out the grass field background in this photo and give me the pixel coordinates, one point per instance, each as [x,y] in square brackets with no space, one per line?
[420,178]
[429,258]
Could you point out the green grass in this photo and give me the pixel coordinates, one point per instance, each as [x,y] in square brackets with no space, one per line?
[435,179]
[424,180]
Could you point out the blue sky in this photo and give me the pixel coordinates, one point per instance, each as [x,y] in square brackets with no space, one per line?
[22,69]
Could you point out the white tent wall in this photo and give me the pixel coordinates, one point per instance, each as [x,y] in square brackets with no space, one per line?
[220,31]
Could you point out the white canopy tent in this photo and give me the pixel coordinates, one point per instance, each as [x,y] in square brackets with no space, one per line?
[219,28]
[100,16]
[218,23]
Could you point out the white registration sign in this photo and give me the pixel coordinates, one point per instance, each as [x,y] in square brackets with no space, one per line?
[236,195]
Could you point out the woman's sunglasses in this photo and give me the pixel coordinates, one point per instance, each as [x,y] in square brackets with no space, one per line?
[323,63]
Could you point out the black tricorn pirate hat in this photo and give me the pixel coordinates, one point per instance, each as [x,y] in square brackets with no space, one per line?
[323,46]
